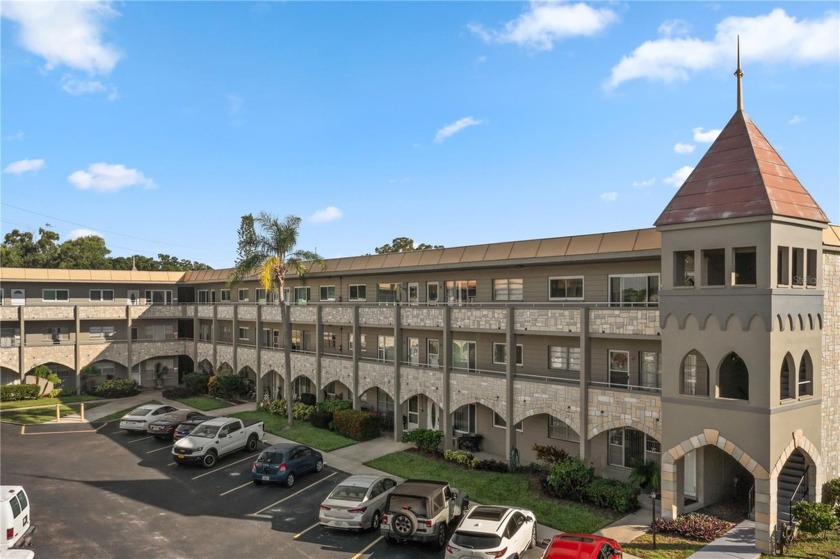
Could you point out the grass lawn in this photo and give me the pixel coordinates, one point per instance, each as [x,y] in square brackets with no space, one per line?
[815,547]
[492,488]
[668,546]
[119,414]
[301,431]
[13,412]
[203,403]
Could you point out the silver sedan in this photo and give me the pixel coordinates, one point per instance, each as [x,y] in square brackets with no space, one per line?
[356,503]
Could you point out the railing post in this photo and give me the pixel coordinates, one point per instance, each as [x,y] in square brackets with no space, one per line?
[58,413]
[82,410]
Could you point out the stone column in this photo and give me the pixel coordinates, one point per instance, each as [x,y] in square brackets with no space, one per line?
[356,352]
[766,509]
[77,350]
[258,372]
[446,350]
[585,377]
[235,338]
[129,347]
[319,351]
[672,485]
[510,370]
[196,333]
[214,337]
[398,351]
[22,344]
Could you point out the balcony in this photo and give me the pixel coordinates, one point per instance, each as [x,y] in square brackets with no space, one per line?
[624,321]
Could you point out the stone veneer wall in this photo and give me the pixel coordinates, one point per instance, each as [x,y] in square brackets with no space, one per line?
[376,375]
[246,357]
[116,352]
[205,311]
[303,313]
[483,389]
[422,380]
[246,312]
[224,354]
[205,351]
[333,369]
[9,358]
[831,366]
[547,320]
[422,318]
[53,312]
[61,354]
[336,315]
[610,409]
[303,364]
[381,316]
[558,399]
[479,319]
[624,321]
[8,314]
[101,311]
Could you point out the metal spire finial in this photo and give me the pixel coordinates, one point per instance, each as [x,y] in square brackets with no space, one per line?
[739,74]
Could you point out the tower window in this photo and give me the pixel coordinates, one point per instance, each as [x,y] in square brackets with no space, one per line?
[744,263]
[783,266]
[684,268]
[798,265]
[714,267]
[811,270]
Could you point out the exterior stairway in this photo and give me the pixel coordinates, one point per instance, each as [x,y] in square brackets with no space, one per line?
[790,489]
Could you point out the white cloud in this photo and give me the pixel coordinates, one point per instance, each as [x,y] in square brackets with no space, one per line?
[106,177]
[14,137]
[609,196]
[455,127]
[23,166]
[644,183]
[65,33]
[330,213]
[683,149]
[796,119]
[77,233]
[705,136]
[678,177]
[772,38]
[674,28]
[545,23]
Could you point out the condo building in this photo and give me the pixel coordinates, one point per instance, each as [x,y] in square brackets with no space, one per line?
[708,344]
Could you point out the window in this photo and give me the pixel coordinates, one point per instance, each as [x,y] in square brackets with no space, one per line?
[811,270]
[734,378]
[463,420]
[558,429]
[300,386]
[243,333]
[432,292]
[783,266]
[387,292]
[433,353]
[798,265]
[743,260]
[205,332]
[507,289]
[259,295]
[684,268]
[358,292]
[565,358]
[297,339]
[500,354]
[224,294]
[160,332]
[55,295]
[328,339]
[619,368]
[362,342]
[275,339]
[158,297]
[328,293]
[651,369]
[695,375]
[101,294]
[302,294]
[2,296]
[412,351]
[636,290]
[244,295]
[806,385]
[460,291]
[714,266]
[101,332]
[627,447]
[499,422]
[203,296]
[385,348]
[463,355]
[565,288]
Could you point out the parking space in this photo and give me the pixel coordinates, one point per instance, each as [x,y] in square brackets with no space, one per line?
[102,492]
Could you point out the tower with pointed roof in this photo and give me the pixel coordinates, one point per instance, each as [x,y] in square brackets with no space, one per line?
[741,311]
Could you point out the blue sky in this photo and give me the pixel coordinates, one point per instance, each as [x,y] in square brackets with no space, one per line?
[157,125]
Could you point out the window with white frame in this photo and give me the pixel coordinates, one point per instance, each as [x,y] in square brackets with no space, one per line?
[328,293]
[387,292]
[62,295]
[158,297]
[243,295]
[507,289]
[651,369]
[275,339]
[260,295]
[224,294]
[463,420]
[412,351]
[639,290]
[500,354]
[385,348]
[329,339]
[362,342]
[160,332]
[463,355]
[628,447]
[499,422]
[2,296]
[302,294]
[560,430]
[297,339]
[203,296]
[433,352]
[101,295]
[564,358]
[561,288]
[460,291]
[358,292]
[244,333]
[101,332]
[432,292]
[619,368]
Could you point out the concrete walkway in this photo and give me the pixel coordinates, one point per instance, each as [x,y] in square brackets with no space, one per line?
[738,543]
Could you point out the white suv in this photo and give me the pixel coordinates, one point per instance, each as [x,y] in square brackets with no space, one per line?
[491,531]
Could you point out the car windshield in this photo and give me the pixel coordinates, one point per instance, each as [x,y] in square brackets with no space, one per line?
[270,457]
[473,540]
[348,493]
[140,412]
[186,427]
[207,431]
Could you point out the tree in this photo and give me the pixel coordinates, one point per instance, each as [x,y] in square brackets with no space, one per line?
[266,247]
[21,250]
[84,253]
[403,244]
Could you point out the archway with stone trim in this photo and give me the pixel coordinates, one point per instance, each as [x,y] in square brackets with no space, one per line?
[420,410]
[797,475]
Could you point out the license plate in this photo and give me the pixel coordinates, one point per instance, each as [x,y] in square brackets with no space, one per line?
[181,456]
[265,478]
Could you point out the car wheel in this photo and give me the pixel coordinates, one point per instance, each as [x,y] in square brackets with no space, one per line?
[319,465]
[533,542]
[252,444]
[440,539]
[404,523]
[374,522]
[209,460]
[290,480]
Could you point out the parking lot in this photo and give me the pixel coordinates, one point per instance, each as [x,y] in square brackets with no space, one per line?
[106,493]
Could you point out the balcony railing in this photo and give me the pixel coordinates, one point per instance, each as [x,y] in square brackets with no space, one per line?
[625,387]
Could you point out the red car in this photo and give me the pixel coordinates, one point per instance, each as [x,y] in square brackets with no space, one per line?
[582,546]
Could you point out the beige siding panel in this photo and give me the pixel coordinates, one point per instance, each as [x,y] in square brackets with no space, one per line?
[360,263]
[393,260]
[451,255]
[474,253]
[498,251]
[375,262]
[524,249]
[584,244]
[553,247]
[412,258]
[430,257]
[618,242]
[831,235]
[648,239]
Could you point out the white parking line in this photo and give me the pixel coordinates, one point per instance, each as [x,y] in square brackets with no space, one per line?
[259,514]
[159,449]
[138,440]
[236,488]
[299,534]
[251,457]
[362,552]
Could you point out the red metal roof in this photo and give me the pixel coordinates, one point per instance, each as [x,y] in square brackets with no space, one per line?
[740,176]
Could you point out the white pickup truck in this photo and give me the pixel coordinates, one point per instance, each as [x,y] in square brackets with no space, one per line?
[217,437]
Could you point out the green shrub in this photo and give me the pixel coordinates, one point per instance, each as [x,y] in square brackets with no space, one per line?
[56,392]
[334,405]
[831,494]
[44,372]
[226,387]
[461,457]
[197,382]
[357,425]
[277,407]
[695,526]
[570,477]
[645,475]
[551,455]
[427,440]
[613,494]
[814,518]
[117,388]
[12,392]
[301,411]
[321,418]
[492,466]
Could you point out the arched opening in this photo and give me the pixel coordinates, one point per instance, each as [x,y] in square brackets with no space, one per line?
[273,385]
[793,484]
[694,378]
[377,399]
[66,375]
[303,390]
[249,383]
[337,390]
[205,366]
[806,376]
[786,387]
[8,376]
[733,378]
[224,369]
[420,412]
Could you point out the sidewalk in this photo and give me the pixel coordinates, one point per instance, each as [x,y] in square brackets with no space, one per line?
[737,543]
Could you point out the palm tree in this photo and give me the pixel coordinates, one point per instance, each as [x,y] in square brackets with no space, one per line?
[267,249]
